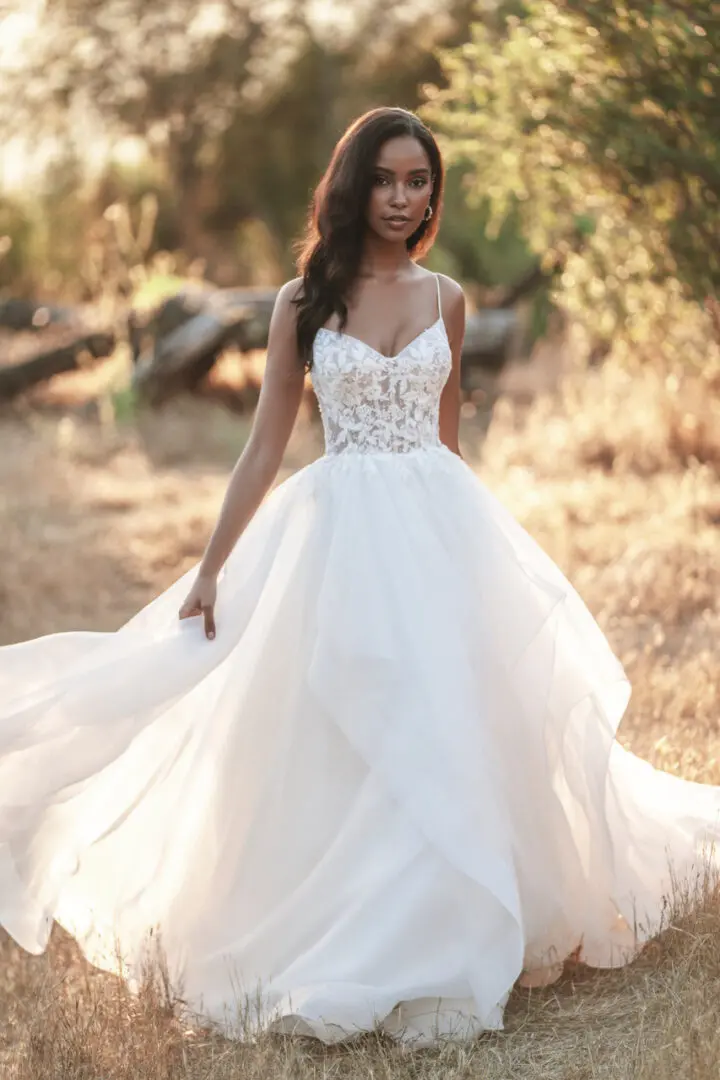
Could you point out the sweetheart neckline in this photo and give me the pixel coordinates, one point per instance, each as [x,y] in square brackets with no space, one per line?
[351,337]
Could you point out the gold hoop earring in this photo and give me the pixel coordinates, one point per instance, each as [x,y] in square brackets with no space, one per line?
[428,212]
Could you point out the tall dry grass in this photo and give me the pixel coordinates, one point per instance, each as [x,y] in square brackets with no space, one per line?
[618,477]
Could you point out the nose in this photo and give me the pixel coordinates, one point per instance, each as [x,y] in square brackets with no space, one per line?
[398,196]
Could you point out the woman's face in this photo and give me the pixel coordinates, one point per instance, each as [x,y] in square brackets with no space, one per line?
[401,188]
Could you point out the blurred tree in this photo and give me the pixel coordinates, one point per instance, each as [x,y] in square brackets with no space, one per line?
[173,74]
[238,103]
[596,124]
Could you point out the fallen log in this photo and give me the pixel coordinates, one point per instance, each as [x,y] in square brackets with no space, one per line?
[489,336]
[17,313]
[44,364]
[191,329]
[179,343]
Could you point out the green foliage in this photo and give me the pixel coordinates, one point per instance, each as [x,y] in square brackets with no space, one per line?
[237,111]
[482,256]
[155,287]
[43,235]
[16,229]
[596,123]
[124,404]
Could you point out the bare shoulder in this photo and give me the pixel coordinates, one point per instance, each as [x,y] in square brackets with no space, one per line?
[291,289]
[452,299]
[284,314]
[282,346]
[452,296]
[286,294]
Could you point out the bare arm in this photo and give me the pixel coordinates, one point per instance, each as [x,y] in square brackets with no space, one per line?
[453,301]
[261,457]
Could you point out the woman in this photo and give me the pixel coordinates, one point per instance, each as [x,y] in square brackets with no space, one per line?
[372,778]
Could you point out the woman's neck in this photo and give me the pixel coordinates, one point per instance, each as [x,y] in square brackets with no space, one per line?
[383,261]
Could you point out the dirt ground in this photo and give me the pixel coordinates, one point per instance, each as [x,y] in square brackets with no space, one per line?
[619,480]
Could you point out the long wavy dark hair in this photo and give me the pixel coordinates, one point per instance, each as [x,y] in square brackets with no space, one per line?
[330,251]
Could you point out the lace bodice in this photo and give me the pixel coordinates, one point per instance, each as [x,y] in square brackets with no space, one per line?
[373,403]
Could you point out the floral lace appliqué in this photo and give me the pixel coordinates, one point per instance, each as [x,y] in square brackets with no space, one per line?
[372,403]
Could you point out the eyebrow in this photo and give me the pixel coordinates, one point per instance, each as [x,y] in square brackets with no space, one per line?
[382,168]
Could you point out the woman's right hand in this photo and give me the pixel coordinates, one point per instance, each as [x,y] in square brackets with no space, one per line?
[201,601]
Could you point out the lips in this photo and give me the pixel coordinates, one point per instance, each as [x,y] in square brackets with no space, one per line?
[398,219]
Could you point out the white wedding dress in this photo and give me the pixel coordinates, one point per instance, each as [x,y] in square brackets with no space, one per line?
[391,781]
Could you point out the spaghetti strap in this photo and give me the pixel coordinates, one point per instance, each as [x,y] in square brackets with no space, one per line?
[437,282]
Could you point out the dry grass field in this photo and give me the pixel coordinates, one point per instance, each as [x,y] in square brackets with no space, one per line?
[618,477]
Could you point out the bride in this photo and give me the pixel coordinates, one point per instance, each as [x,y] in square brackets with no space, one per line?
[359,767]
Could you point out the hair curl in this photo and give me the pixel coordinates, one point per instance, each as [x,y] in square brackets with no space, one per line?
[331,249]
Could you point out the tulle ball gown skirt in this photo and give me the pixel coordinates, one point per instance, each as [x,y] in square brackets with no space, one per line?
[388,785]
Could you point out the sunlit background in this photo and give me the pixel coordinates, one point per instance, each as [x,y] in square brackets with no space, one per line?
[156,165]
